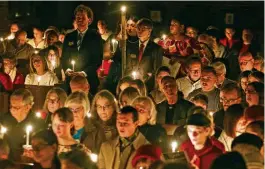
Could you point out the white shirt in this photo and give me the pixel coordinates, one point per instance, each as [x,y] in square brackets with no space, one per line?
[41,45]
[48,79]
[186,86]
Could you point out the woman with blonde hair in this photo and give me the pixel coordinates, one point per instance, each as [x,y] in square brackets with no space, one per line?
[147,121]
[39,72]
[104,109]
[55,99]
[87,132]
[127,96]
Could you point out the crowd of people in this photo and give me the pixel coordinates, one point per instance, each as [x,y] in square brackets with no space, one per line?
[188,99]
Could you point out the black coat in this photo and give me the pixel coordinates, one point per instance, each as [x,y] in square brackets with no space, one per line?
[87,59]
[16,132]
[151,60]
[181,109]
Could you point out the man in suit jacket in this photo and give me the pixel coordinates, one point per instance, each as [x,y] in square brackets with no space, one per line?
[84,46]
[144,56]
[174,110]
[119,152]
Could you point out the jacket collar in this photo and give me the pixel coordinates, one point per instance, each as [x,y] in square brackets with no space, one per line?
[139,140]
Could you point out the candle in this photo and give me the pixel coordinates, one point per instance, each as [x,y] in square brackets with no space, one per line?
[94,157]
[36,52]
[164,37]
[10,37]
[113,45]
[39,79]
[73,64]
[174,145]
[53,64]
[211,113]
[38,114]
[1,39]
[28,130]
[134,74]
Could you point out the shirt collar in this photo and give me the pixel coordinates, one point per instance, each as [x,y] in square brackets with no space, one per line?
[145,43]
[84,32]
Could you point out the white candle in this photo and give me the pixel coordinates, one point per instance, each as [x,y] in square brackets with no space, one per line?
[113,45]
[39,79]
[28,130]
[73,64]
[134,74]
[174,145]
[53,64]
[94,157]
[102,65]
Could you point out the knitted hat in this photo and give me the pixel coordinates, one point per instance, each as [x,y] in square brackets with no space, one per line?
[147,151]
[198,119]
[247,138]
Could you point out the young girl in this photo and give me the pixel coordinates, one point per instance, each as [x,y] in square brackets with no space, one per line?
[40,75]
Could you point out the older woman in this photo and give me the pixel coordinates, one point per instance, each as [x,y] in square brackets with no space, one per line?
[233,125]
[55,99]
[104,109]
[147,121]
[40,74]
[88,133]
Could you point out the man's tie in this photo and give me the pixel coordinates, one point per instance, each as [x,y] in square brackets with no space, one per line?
[141,51]
[79,40]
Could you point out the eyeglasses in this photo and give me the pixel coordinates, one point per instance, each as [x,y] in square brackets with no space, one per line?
[36,61]
[52,101]
[142,28]
[223,100]
[17,108]
[106,107]
[244,62]
[250,91]
[77,109]
[39,147]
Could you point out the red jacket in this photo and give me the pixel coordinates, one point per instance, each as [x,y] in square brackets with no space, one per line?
[203,158]
[6,81]
[19,79]
[228,43]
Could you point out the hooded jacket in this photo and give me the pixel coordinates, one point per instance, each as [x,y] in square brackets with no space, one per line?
[203,158]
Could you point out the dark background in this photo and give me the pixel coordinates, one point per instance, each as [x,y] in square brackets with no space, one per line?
[199,14]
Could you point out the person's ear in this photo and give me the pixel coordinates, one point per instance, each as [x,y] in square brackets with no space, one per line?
[90,21]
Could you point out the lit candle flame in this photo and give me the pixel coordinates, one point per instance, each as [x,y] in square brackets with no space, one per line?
[164,37]
[211,113]
[94,157]
[29,128]
[174,145]
[3,130]
[123,8]
[39,79]
[10,37]
[1,39]
[36,52]
[88,115]
[134,74]
[72,62]
[38,114]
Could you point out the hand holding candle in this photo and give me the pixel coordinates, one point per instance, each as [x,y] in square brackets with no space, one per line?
[3,131]
[164,36]
[39,79]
